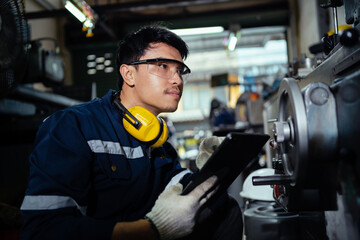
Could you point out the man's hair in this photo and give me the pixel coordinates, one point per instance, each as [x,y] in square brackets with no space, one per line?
[134,45]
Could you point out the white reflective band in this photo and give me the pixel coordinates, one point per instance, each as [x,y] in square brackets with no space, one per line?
[99,146]
[49,202]
[176,179]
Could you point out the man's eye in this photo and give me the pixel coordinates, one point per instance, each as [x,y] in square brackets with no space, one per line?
[163,65]
[180,70]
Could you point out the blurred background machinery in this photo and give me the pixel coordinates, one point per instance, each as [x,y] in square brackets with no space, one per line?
[314,122]
[22,108]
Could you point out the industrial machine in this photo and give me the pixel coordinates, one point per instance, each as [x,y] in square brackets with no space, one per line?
[315,146]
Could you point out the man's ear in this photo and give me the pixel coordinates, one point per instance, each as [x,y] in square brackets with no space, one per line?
[127,72]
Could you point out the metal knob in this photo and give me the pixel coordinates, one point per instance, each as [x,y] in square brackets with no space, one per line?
[281,131]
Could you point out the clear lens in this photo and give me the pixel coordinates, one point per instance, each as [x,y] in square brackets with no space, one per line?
[167,70]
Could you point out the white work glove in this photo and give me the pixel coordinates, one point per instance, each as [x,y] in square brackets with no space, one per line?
[173,214]
[206,148]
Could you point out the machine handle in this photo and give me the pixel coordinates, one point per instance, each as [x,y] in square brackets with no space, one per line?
[277,179]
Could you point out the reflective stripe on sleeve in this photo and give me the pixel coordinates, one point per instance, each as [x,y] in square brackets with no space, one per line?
[99,146]
[50,202]
[176,179]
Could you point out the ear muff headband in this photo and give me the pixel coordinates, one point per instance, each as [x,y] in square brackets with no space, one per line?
[143,125]
[125,113]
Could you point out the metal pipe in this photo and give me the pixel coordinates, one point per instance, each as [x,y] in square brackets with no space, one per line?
[56,99]
[335,20]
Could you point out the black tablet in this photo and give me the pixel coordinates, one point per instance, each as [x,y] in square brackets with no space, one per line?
[228,160]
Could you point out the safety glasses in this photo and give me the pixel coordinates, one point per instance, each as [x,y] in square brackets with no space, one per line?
[165,68]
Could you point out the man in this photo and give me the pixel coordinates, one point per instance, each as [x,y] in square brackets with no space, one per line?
[94,171]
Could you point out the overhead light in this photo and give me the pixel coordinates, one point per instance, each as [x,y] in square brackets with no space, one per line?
[197,31]
[232,41]
[84,13]
[75,11]
[234,36]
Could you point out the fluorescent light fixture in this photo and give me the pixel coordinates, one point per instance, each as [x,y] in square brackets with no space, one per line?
[232,42]
[198,31]
[84,13]
[75,11]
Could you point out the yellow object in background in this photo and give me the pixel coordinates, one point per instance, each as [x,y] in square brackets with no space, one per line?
[341,28]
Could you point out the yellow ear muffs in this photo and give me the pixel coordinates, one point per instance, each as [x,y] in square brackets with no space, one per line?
[163,136]
[142,124]
[153,130]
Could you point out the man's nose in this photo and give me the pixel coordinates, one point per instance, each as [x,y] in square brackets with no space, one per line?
[176,78]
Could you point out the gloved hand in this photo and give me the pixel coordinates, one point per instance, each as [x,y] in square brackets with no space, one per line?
[173,214]
[206,148]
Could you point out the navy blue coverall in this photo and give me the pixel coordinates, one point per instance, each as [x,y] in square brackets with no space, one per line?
[87,173]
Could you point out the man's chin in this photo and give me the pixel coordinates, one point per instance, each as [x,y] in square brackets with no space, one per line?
[170,110]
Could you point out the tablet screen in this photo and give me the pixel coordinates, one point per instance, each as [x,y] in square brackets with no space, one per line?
[229,159]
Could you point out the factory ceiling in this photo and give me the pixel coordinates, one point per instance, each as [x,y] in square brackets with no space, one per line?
[117,17]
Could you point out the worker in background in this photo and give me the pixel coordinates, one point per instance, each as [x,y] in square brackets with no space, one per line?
[220,115]
[103,169]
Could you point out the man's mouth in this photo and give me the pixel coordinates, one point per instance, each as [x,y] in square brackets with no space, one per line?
[173,92]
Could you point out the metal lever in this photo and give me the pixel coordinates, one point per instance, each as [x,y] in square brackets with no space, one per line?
[272,120]
[330,42]
[278,179]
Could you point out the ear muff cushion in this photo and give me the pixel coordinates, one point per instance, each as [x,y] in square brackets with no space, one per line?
[164,135]
[150,128]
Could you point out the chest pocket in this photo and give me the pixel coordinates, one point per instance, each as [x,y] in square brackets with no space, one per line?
[161,157]
[114,166]
[161,161]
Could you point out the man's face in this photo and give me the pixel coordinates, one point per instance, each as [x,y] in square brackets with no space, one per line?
[155,93]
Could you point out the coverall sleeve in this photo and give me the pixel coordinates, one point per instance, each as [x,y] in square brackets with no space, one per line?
[55,202]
